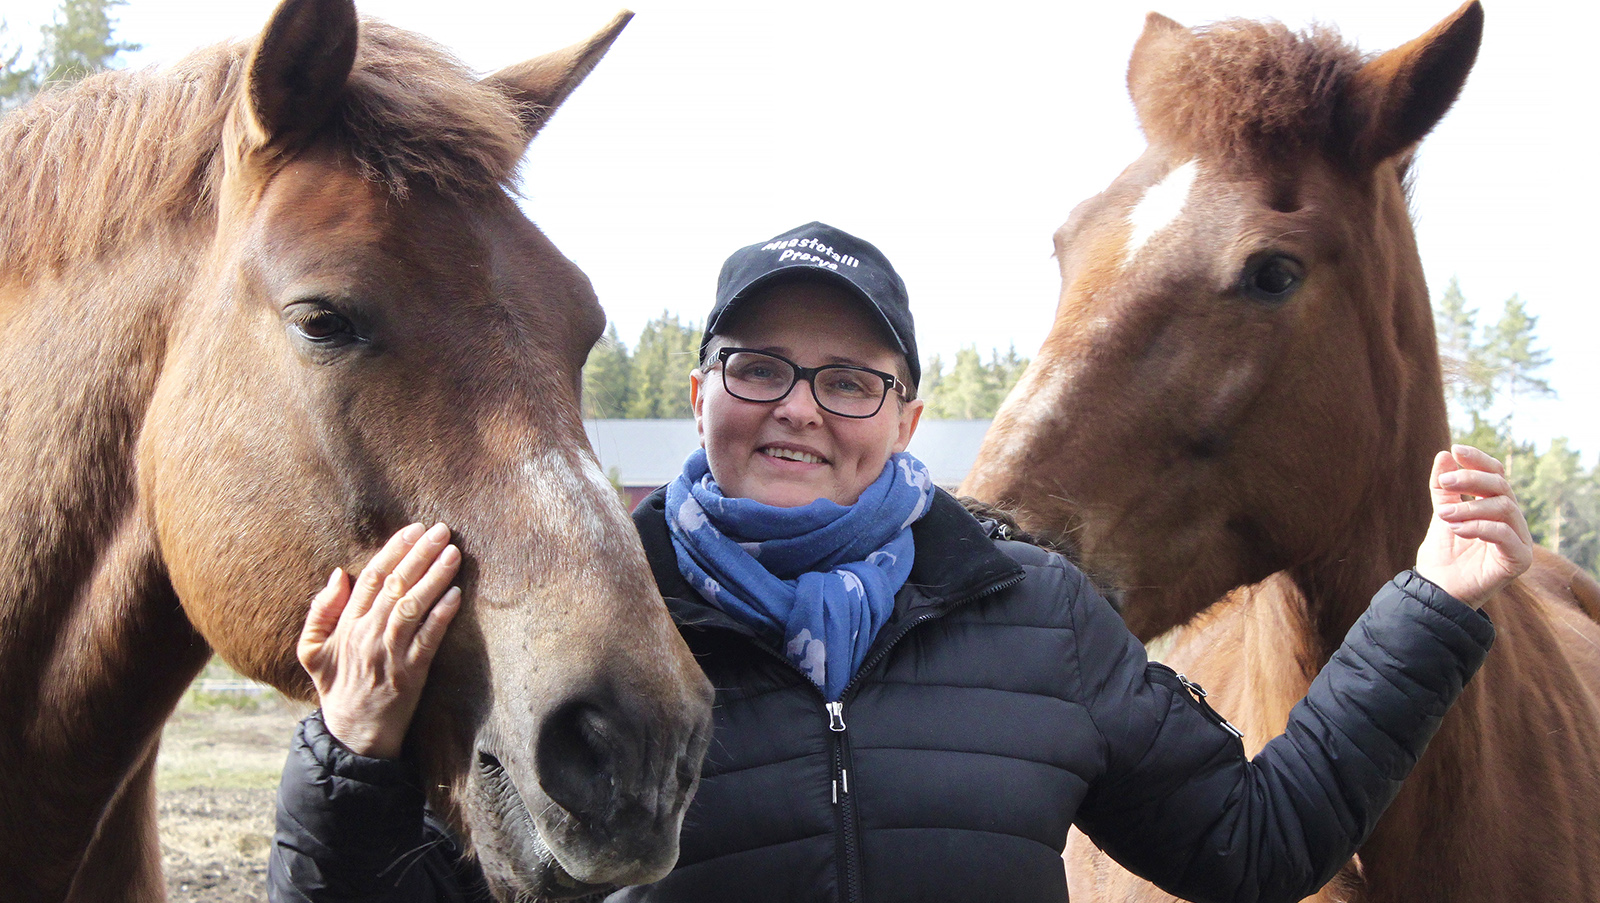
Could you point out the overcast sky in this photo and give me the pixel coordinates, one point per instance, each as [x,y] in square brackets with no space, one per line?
[959,142]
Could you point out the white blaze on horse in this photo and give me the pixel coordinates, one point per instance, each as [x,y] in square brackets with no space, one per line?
[1233,419]
[256,313]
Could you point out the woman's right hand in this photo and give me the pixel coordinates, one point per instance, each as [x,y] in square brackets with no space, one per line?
[368,648]
[1477,540]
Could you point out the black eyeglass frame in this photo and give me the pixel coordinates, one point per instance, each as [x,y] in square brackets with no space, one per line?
[809,374]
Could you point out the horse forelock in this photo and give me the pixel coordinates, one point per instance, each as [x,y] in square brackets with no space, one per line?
[412,112]
[89,167]
[1243,89]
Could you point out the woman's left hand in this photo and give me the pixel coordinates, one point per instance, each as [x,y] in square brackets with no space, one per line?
[368,647]
[1473,548]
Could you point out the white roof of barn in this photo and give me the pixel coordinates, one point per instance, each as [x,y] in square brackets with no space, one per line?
[948,447]
[642,452]
[651,452]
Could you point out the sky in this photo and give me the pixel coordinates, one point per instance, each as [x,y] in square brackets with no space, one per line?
[959,141]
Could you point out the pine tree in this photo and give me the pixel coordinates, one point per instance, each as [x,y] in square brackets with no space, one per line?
[1513,359]
[1581,543]
[1467,384]
[1550,510]
[932,379]
[607,377]
[662,360]
[1008,371]
[970,392]
[17,82]
[972,389]
[1495,439]
[80,40]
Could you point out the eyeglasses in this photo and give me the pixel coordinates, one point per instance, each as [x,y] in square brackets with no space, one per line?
[763,377]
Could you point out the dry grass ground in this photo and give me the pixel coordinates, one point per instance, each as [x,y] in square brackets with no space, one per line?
[221,754]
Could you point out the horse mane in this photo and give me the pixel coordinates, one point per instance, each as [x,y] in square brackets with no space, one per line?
[1242,88]
[88,167]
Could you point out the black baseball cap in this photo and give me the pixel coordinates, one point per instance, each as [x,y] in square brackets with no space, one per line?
[818,251]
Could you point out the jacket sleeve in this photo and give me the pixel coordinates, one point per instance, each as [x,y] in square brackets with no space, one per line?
[352,829]
[1180,805]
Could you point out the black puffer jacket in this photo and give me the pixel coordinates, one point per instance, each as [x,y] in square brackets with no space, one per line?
[1002,702]
[354,830]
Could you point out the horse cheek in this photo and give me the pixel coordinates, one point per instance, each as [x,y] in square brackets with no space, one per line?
[226,513]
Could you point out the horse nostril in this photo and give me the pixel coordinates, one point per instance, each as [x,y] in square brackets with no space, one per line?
[578,759]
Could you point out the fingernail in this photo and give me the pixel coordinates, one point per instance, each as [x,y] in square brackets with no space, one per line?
[1447,510]
[438,532]
[1449,479]
[411,533]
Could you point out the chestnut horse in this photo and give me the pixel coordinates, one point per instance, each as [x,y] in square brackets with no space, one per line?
[256,313]
[1241,395]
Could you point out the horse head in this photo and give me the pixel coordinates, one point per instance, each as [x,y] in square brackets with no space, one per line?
[379,335]
[1243,340]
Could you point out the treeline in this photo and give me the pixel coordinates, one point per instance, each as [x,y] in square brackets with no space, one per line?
[1490,370]
[973,389]
[80,40]
[652,380]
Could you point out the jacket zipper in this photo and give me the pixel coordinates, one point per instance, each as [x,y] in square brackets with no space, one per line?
[841,772]
[840,792]
[1198,694]
[849,863]
[844,807]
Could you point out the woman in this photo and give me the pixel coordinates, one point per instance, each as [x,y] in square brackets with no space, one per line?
[907,707]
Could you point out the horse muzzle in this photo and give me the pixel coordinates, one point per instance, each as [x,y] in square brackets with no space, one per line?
[598,806]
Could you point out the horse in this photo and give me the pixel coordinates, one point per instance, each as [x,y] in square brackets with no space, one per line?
[257,312]
[1232,420]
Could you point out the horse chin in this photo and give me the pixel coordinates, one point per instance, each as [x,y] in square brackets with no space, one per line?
[546,856]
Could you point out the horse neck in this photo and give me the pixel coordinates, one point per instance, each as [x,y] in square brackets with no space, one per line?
[94,649]
[80,353]
[1336,586]
[1510,775]
[88,291]
[1378,537]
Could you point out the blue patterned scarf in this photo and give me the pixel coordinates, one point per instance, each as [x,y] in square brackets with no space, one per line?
[817,581]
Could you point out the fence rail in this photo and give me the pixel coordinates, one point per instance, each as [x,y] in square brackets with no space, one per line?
[231,685]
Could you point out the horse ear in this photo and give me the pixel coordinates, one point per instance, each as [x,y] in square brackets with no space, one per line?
[1156,24]
[1395,100]
[297,69]
[540,85]
[1159,35]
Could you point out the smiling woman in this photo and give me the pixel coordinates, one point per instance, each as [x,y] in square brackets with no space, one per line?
[787,450]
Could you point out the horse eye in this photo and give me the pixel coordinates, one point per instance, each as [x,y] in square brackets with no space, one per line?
[1272,279]
[323,326]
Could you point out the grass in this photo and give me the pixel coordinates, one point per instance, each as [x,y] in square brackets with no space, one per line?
[233,739]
